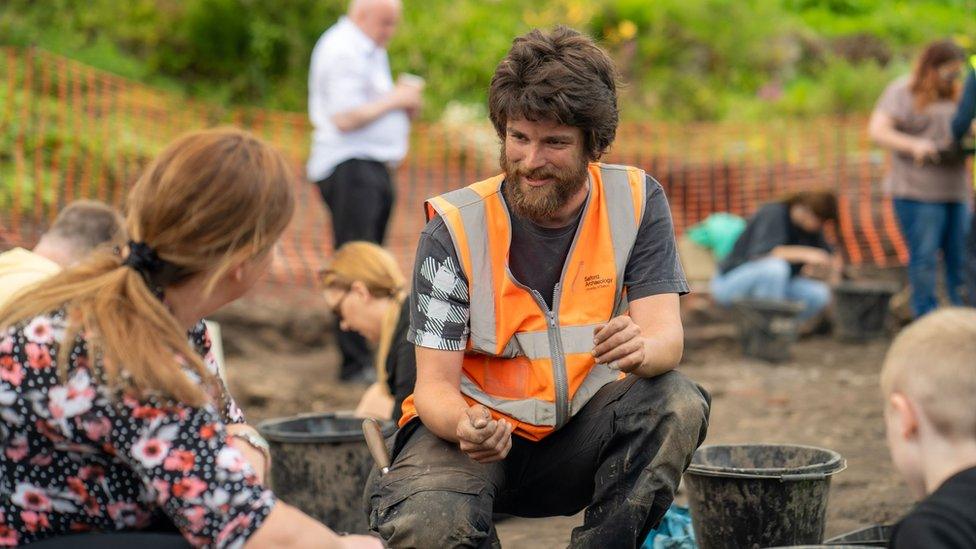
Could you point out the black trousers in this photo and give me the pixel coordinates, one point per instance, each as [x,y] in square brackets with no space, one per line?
[621,457]
[360,196]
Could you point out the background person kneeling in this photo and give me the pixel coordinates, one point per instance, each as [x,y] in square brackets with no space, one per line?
[781,243]
[366,291]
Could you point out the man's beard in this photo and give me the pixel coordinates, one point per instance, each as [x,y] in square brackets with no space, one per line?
[540,204]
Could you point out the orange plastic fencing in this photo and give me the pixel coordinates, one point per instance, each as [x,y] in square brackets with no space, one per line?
[69,131]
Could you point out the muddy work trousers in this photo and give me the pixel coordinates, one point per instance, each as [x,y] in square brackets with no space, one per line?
[620,457]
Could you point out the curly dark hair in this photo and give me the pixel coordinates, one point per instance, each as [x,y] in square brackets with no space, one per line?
[561,76]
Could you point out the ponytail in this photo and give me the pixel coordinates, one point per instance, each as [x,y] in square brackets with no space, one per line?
[211,200]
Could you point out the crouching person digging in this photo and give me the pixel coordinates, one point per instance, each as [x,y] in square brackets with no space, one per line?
[546,320]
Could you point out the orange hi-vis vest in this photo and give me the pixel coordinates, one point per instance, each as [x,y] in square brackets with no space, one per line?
[528,364]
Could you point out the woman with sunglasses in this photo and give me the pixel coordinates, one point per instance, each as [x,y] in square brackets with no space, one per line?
[366,291]
[113,418]
[929,186]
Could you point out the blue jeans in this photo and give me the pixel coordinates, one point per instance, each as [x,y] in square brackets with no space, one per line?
[971,262]
[771,278]
[929,227]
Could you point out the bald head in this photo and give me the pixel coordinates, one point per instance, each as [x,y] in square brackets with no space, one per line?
[82,226]
[378,19]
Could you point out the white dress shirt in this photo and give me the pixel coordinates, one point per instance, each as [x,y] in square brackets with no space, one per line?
[348,70]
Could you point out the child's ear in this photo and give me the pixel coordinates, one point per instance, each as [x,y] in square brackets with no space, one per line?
[905,415]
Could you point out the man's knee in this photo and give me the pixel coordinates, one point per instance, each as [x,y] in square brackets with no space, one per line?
[673,391]
[435,518]
[677,399]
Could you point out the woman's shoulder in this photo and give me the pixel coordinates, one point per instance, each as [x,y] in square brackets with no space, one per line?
[898,90]
[45,330]
[903,82]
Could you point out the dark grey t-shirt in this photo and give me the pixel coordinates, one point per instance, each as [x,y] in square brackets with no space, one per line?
[768,228]
[439,300]
[537,254]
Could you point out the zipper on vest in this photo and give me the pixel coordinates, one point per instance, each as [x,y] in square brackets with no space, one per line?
[558,357]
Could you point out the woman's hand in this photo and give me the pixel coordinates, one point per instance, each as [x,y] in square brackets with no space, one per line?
[923,149]
[376,402]
[256,457]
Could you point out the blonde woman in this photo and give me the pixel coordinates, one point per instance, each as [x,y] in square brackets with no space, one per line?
[112,416]
[366,291]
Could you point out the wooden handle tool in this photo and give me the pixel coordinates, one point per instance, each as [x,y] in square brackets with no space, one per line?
[377,447]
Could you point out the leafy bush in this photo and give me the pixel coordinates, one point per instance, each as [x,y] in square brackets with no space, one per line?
[681,59]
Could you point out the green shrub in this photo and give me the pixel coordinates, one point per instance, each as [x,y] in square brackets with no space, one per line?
[681,59]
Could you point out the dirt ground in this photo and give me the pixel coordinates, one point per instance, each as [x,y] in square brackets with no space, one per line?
[826,396]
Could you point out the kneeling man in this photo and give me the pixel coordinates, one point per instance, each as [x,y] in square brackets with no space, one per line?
[546,320]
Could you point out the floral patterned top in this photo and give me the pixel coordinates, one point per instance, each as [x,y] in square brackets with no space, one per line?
[77,458]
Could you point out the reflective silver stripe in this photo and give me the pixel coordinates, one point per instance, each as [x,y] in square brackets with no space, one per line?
[481,291]
[576,340]
[621,214]
[599,376]
[529,410]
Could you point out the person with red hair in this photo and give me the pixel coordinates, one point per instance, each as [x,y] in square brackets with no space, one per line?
[912,119]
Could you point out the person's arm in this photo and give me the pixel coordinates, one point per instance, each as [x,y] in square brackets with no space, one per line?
[649,339]
[966,111]
[376,402]
[437,393]
[445,412]
[647,342]
[288,527]
[244,437]
[439,311]
[882,130]
[340,87]
[204,484]
[402,96]
[807,255]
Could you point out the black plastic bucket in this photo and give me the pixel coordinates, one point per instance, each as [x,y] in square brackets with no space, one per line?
[319,464]
[872,536]
[767,329]
[823,547]
[760,495]
[861,309]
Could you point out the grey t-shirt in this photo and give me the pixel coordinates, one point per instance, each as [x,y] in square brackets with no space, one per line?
[439,300]
[943,181]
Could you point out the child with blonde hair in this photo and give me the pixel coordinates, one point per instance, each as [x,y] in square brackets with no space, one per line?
[929,385]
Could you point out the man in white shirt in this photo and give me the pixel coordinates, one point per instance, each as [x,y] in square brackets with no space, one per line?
[361,126]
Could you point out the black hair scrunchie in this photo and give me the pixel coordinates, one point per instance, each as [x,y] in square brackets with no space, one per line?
[144,260]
